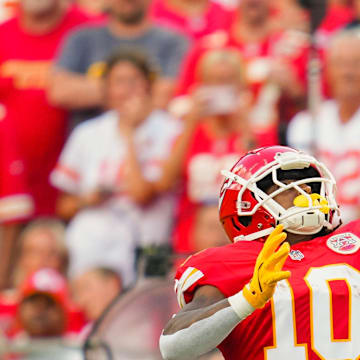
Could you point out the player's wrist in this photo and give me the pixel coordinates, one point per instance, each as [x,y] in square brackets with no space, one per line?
[240,305]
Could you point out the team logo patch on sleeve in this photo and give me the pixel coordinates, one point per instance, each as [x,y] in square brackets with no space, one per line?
[345,243]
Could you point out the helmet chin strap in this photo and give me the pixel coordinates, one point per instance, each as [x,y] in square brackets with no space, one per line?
[254,236]
[307,223]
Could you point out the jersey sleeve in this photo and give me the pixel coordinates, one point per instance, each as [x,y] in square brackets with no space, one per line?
[211,267]
[68,172]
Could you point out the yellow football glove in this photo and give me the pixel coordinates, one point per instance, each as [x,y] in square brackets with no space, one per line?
[268,269]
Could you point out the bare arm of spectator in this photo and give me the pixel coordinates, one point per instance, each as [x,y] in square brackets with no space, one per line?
[70,84]
[69,172]
[162,92]
[175,163]
[69,204]
[136,185]
[75,91]
[283,75]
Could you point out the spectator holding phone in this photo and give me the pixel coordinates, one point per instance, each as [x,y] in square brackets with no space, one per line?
[275,62]
[106,169]
[216,131]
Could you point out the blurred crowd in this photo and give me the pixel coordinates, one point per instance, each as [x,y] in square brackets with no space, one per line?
[117,116]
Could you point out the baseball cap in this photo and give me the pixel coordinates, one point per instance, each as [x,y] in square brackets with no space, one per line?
[46,281]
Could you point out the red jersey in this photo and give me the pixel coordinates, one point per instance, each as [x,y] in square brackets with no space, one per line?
[15,201]
[313,315]
[25,61]
[204,153]
[214,18]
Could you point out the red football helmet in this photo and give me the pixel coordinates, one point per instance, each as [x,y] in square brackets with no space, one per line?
[248,213]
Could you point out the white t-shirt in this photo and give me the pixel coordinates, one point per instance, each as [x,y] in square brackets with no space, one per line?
[337,145]
[94,156]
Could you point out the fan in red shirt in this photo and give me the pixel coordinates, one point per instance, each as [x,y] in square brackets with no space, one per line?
[288,285]
[216,131]
[28,44]
[275,63]
[44,308]
[194,19]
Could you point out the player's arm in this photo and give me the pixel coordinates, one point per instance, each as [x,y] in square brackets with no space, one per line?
[205,322]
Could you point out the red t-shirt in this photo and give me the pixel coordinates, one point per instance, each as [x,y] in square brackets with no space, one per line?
[205,158]
[25,62]
[314,315]
[214,18]
[15,201]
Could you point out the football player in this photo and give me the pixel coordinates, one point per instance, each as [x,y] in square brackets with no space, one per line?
[278,207]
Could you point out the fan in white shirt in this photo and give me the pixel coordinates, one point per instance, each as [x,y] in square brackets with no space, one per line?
[106,170]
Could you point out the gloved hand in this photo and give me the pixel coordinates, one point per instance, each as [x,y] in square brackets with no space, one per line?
[268,269]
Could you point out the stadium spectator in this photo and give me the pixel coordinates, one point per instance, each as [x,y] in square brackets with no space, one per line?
[76,81]
[331,134]
[41,245]
[16,204]
[216,131]
[106,167]
[276,64]
[194,19]
[44,309]
[95,289]
[28,44]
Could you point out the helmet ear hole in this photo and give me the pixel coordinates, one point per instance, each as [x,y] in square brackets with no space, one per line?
[235,225]
[245,220]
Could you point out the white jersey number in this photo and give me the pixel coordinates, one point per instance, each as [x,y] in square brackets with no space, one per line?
[322,339]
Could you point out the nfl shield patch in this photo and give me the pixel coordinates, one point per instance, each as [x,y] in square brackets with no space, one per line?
[345,243]
[296,255]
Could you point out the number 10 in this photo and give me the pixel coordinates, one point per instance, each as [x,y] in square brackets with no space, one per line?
[322,340]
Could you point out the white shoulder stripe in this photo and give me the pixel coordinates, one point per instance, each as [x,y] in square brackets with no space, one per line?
[188,278]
